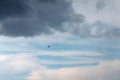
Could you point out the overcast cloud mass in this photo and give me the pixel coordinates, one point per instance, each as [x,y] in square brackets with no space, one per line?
[34,17]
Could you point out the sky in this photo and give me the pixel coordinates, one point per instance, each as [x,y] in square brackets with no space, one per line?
[83,35]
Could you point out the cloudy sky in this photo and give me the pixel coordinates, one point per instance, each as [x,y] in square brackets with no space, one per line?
[83,35]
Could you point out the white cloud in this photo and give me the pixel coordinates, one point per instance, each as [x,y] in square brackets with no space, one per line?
[107,70]
[17,66]
[109,14]
[4,57]
[17,62]
[27,61]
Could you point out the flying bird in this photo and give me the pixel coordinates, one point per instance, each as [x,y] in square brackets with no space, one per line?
[48,46]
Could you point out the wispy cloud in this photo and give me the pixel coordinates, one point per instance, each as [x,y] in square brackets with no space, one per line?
[20,63]
[107,70]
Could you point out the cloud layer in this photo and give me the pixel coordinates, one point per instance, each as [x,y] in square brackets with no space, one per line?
[12,8]
[43,16]
[102,18]
[96,18]
[18,65]
[108,70]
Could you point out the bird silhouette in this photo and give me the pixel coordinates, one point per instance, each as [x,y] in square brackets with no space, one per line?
[48,46]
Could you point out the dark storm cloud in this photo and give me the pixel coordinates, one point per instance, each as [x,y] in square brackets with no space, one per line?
[12,8]
[43,16]
[47,1]
[34,17]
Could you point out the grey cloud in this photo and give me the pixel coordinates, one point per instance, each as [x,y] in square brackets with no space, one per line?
[100,5]
[24,27]
[102,29]
[12,8]
[98,29]
[43,16]
[49,1]
[34,17]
